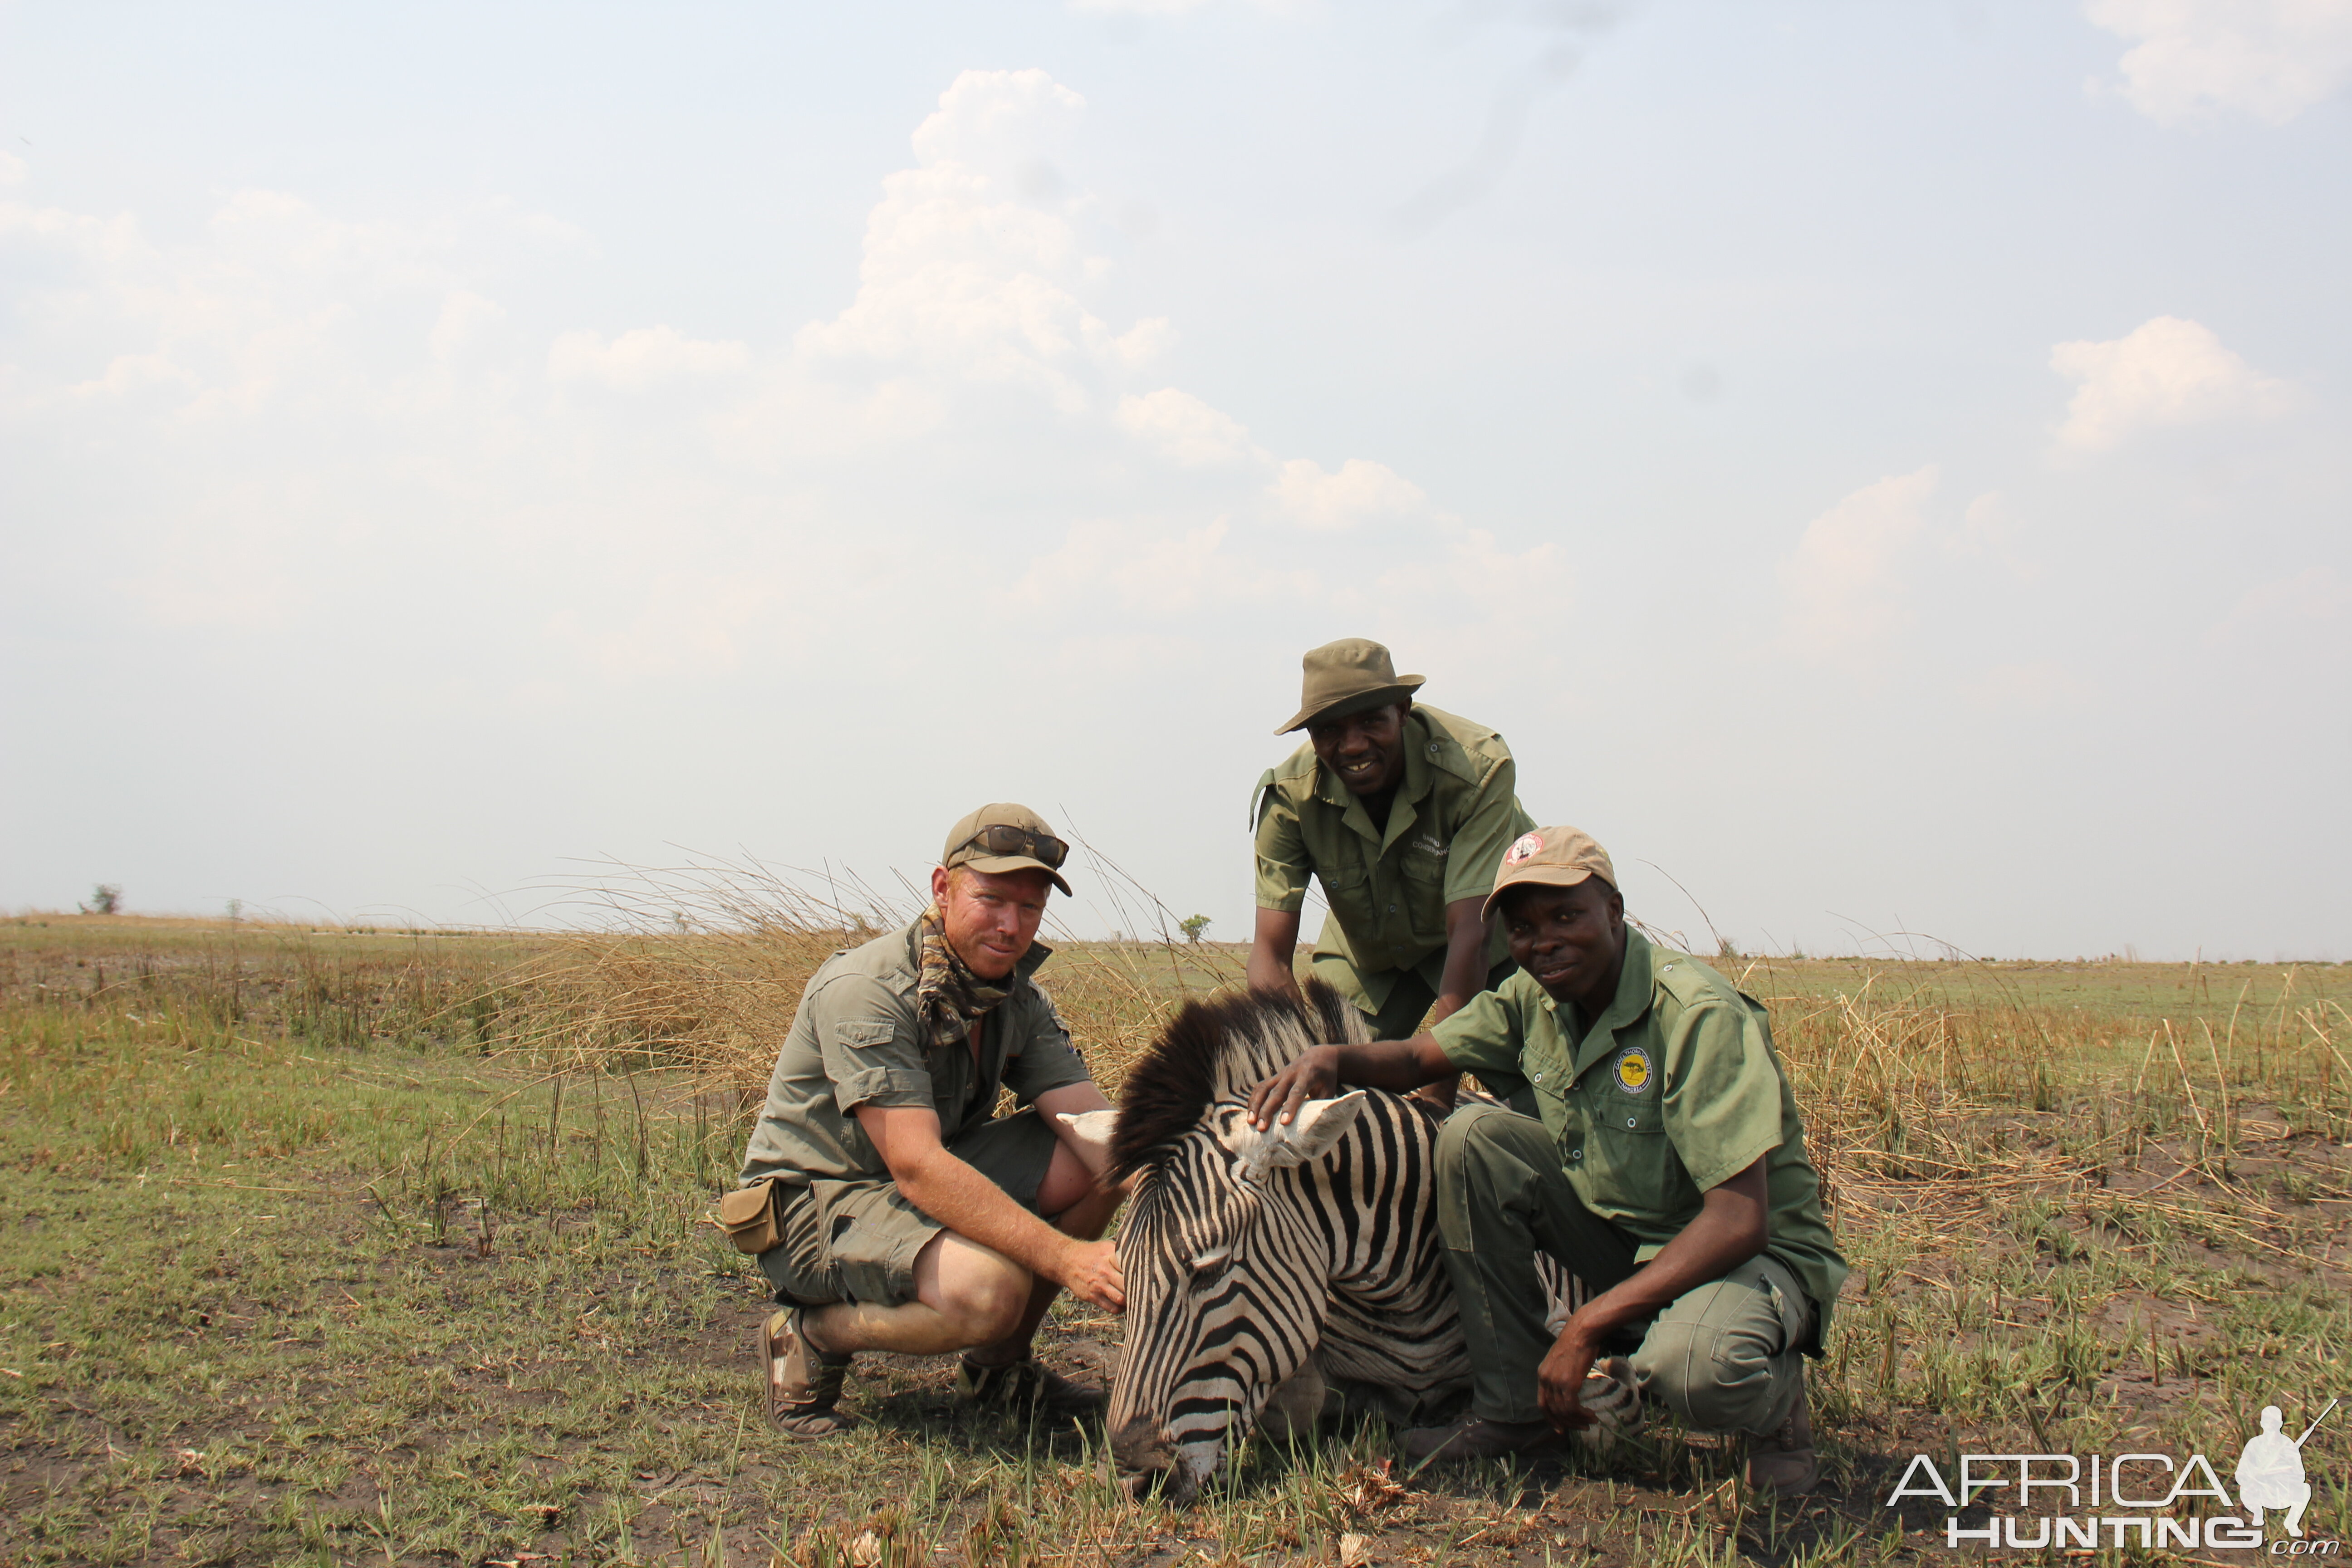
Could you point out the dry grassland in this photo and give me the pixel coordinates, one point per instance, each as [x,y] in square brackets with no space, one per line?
[336,1247]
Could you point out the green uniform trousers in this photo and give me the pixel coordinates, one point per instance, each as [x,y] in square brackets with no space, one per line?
[1725,1357]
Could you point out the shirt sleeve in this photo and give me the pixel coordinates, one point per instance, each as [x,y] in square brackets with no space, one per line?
[1493,820]
[1722,1106]
[872,1045]
[1283,869]
[1042,1059]
[1484,1037]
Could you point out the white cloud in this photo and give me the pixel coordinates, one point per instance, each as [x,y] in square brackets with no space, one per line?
[2165,372]
[1846,584]
[973,259]
[379,378]
[465,316]
[645,357]
[2269,58]
[1187,430]
[1361,491]
[1991,530]
[1148,567]
[12,169]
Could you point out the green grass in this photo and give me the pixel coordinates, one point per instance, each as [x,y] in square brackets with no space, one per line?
[372,1247]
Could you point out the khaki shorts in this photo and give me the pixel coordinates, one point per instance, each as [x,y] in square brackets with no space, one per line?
[858,1241]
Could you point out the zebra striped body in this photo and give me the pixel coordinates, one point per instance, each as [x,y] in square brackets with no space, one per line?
[1251,1256]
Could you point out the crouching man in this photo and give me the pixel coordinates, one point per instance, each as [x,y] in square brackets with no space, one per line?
[1665,1164]
[910,1217]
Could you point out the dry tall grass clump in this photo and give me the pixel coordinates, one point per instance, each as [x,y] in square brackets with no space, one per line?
[1931,1093]
[702,966]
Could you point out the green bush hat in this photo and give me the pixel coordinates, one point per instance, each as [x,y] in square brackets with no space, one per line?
[1348,677]
[1006,837]
[1550,857]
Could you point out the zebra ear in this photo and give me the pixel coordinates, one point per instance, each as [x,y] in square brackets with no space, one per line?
[1309,1138]
[1091,1131]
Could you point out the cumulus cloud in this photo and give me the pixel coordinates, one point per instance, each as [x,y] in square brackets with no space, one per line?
[319,404]
[1361,491]
[1186,430]
[973,260]
[2165,372]
[1844,586]
[2191,58]
[1991,530]
[645,357]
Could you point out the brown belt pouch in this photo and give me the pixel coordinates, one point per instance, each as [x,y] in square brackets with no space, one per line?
[749,1214]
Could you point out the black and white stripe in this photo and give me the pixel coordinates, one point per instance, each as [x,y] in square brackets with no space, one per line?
[1246,1266]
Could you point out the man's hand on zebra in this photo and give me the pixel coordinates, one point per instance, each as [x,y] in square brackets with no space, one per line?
[1399,1066]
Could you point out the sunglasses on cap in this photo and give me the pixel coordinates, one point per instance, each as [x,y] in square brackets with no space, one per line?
[999,838]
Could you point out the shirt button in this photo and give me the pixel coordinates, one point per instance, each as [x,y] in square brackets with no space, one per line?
[1576,1154]
[1629,1121]
[1540,1078]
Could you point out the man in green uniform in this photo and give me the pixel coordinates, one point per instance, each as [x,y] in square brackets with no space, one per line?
[1666,1166]
[910,1218]
[1402,813]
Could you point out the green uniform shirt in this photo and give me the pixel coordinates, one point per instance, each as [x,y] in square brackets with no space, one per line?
[1671,1091]
[1455,814]
[859,1039]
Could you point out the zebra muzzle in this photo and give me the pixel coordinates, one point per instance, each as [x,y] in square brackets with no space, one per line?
[1149,1465]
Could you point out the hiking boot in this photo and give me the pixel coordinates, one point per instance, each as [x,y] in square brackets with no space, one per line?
[1023,1387]
[803,1381]
[1781,1460]
[1475,1440]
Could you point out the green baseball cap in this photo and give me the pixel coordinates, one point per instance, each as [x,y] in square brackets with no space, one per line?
[1348,677]
[1006,837]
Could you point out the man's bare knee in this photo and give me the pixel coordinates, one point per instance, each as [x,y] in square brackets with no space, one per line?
[981,1293]
[987,1305]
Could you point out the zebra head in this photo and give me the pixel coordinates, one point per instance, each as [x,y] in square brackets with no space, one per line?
[1227,1270]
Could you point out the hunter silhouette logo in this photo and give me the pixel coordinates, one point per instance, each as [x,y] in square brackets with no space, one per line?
[2269,1472]
[2141,1489]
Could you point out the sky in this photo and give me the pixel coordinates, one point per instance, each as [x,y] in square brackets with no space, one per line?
[1884,468]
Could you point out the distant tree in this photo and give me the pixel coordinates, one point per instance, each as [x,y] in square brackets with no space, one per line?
[1192,926]
[1727,947]
[106,898]
[235,910]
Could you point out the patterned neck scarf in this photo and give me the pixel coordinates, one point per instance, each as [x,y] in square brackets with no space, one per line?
[953,998]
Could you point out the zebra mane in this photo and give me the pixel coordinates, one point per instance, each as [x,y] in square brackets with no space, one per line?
[1218,1049]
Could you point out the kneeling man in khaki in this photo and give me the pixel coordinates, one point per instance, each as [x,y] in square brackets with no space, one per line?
[909,1218]
[1663,1164]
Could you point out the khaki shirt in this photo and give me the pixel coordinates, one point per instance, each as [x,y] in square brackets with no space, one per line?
[1673,1091]
[859,1039]
[1455,813]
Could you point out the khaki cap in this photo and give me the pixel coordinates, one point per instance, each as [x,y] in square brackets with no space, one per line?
[1348,677]
[963,851]
[1551,857]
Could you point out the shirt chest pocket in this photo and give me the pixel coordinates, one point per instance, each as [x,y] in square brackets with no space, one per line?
[1423,876]
[1347,887]
[1624,1119]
